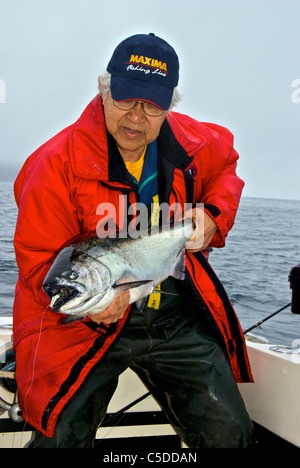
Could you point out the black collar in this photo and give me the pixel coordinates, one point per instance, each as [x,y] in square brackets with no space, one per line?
[171,149]
[117,171]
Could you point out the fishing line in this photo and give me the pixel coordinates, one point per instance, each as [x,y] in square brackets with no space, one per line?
[33,371]
[120,414]
[105,436]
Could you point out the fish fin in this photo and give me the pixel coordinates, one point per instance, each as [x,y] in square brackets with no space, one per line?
[72,318]
[130,285]
[165,292]
[141,304]
[179,270]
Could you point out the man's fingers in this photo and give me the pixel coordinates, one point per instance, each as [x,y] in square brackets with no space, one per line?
[114,311]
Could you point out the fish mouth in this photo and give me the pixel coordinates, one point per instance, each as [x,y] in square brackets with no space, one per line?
[60,295]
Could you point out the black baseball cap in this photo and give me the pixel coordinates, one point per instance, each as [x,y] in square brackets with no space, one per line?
[144,67]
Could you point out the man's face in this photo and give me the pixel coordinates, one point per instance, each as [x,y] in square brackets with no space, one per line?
[131,129]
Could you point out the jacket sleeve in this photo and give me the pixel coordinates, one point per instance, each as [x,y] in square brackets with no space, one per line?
[221,187]
[47,217]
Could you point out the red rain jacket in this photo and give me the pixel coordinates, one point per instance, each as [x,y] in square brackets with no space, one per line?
[57,192]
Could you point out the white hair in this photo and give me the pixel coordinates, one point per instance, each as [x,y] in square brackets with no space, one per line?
[104,86]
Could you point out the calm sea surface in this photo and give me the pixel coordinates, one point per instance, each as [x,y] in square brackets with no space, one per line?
[254,266]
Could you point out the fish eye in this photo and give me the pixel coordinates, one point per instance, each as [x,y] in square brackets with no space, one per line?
[73,275]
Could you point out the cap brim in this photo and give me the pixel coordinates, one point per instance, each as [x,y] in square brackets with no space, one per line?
[123,89]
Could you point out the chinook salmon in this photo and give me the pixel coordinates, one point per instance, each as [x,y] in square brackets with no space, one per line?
[89,273]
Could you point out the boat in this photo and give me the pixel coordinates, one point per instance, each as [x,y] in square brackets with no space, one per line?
[135,422]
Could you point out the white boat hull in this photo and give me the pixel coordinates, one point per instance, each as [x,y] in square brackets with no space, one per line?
[273,400]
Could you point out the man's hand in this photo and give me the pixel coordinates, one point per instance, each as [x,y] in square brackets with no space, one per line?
[205,229]
[114,311]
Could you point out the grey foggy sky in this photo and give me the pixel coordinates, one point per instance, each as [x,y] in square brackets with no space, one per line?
[239,60]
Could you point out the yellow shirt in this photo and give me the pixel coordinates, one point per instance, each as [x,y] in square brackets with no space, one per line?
[135,168]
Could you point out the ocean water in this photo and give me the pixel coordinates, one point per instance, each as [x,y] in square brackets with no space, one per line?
[260,251]
[8,267]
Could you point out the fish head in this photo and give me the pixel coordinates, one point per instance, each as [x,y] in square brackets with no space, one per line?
[76,283]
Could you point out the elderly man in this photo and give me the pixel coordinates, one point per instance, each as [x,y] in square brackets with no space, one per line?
[187,347]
